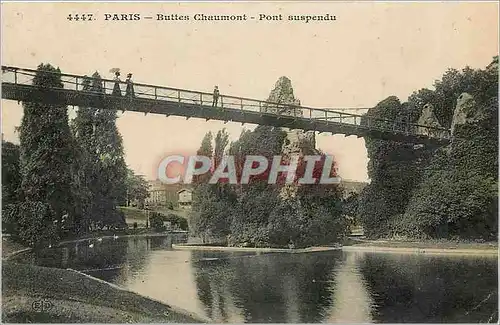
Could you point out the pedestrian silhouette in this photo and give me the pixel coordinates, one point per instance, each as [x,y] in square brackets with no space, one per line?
[216,96]
[129,92]
[116,89]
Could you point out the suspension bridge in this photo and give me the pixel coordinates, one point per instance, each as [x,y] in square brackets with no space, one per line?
[17,84]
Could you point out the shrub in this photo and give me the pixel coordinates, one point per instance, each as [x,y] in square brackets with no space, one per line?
[180,221]
[156,221]
[32,223]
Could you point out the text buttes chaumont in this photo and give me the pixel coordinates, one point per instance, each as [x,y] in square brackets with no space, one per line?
[205,17]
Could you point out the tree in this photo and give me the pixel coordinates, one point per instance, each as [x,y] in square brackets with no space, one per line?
[46,152]
[458,194]
[111,170]
[85,169]
[103,172]
[394,169]
[11,177]
[31,222]
[11,182]
[256,200]
[212,203]
[437,192]
[256,214]
[350,208]
[221,142]
[137,188]
[205,150]
[202,192]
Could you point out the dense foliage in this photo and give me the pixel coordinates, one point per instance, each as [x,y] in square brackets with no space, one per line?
[137,188]
[11,177]
[46,160]
[261,214]
[61,180]
[447,192]
[104,172]
[158,220]
[33,223]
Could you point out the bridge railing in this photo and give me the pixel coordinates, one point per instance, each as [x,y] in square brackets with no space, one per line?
[204,99]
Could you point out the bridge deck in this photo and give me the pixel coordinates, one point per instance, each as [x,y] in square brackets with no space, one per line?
[17,85]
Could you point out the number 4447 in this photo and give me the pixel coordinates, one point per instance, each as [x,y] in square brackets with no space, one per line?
[77,17]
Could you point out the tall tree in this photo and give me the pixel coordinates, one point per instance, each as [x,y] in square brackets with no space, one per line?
[46,153]
[202,193]
[137,188]
[110,181]
[206,148]
[102,174]
[221,142]
[83,126]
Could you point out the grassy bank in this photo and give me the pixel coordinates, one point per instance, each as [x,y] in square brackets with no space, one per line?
[134,215]
[76,298]
[9,246]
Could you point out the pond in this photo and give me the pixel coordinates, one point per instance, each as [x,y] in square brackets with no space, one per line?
[332,286]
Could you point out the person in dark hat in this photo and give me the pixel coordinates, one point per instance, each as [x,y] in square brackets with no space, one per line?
[129,92]
[116,89]
[216,96]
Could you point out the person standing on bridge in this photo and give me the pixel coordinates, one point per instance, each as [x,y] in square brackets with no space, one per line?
[129,92]
[216,96]
[116,89]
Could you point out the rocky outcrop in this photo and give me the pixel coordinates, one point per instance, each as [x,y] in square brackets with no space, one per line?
[298,141]
[464,111]
[428,118]
[283,94]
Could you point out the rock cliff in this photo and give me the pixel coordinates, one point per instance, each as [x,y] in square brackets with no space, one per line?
[428,118]
[463,111]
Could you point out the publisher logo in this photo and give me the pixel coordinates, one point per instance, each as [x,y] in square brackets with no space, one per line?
[41,305]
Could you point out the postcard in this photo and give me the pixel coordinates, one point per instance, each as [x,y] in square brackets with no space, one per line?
[250,162]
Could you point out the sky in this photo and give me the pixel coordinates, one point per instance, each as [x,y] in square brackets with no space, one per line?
[371,51]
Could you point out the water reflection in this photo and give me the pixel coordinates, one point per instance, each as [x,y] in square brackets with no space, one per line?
[422,288]
[352,302]
[285,288]
[274,288]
